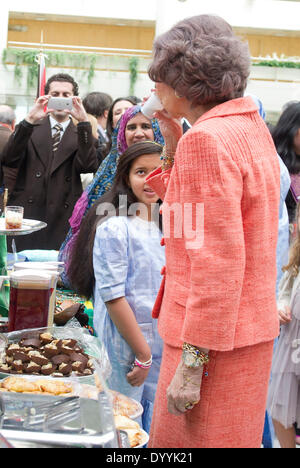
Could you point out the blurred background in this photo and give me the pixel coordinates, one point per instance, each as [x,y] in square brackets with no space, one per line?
[107,46]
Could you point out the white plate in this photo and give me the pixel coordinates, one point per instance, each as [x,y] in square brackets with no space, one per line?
[139,408]
[28,226]
[91,391]
[145,439]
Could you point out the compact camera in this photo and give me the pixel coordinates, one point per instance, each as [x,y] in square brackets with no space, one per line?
[60,104]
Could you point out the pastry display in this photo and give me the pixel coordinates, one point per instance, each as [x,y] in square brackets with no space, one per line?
[39,386]
[124,406]
[132,428]
[46,355]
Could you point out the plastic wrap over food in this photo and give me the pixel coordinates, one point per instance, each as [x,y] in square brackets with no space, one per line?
[90,345]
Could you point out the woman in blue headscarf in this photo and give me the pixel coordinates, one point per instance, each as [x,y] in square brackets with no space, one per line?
[132,128]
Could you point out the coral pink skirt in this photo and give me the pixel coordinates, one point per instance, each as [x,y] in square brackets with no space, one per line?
[231,411]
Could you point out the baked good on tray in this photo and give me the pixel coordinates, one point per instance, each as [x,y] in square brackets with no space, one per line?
[40,386]
[46,355]
[132,429]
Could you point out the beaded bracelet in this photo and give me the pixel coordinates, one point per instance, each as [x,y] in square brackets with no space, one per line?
[143,365]
[167,160]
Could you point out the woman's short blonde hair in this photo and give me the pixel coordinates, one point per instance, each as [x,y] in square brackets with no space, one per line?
[202,60]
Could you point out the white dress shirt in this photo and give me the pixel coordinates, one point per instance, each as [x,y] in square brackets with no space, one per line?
[64,125]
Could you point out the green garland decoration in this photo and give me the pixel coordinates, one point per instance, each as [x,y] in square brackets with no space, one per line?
[27,57]
[276,63]
[133,73]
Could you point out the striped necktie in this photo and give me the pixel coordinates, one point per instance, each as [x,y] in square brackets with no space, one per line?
[56,137]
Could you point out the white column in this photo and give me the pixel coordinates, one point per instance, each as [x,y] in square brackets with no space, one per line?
[3,26]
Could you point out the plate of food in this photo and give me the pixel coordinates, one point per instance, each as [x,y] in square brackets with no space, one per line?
[45,355]
[125,406]
[138,438]
[28,226]
[122,404]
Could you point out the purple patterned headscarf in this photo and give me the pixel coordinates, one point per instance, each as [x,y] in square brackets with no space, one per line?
[127,116]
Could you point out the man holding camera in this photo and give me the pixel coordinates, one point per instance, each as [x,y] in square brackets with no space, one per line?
[50,152]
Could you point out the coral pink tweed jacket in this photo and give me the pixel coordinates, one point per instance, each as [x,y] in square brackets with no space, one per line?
[220,215]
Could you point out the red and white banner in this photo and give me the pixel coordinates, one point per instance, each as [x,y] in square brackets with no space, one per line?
[41,75]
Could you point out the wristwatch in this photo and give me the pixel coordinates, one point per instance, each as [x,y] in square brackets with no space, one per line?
[193,357]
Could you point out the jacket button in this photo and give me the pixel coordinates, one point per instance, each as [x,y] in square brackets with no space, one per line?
[165,179]
[30,200]
[68,179]
[38,174]
[66,206]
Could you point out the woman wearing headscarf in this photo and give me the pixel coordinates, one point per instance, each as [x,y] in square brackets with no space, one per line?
[220,185]
[133,127]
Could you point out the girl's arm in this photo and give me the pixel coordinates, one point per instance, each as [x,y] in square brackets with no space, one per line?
[284,298]
[285,290]
[124,319]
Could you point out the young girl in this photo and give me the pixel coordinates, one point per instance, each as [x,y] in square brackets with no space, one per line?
[132,127]
[284,392]
[124,264]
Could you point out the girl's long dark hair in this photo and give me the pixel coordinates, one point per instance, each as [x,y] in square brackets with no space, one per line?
[294,252]
[80,270]
[283,135]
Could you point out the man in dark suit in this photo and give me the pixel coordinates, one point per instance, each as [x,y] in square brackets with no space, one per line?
[50,153]
[7,126]
[98,104]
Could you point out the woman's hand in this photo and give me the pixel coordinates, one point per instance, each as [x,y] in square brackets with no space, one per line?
[285,316]
[170,128]
[184,391]
[137,376]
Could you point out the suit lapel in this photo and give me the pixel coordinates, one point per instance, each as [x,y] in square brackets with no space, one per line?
[42,141]
[67,146]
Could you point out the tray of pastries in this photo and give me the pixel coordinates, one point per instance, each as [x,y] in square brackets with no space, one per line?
[39,386]
[45,355]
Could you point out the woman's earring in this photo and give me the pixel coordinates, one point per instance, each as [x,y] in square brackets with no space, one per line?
[177,95]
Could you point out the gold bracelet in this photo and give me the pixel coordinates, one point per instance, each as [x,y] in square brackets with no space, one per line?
[193,356]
